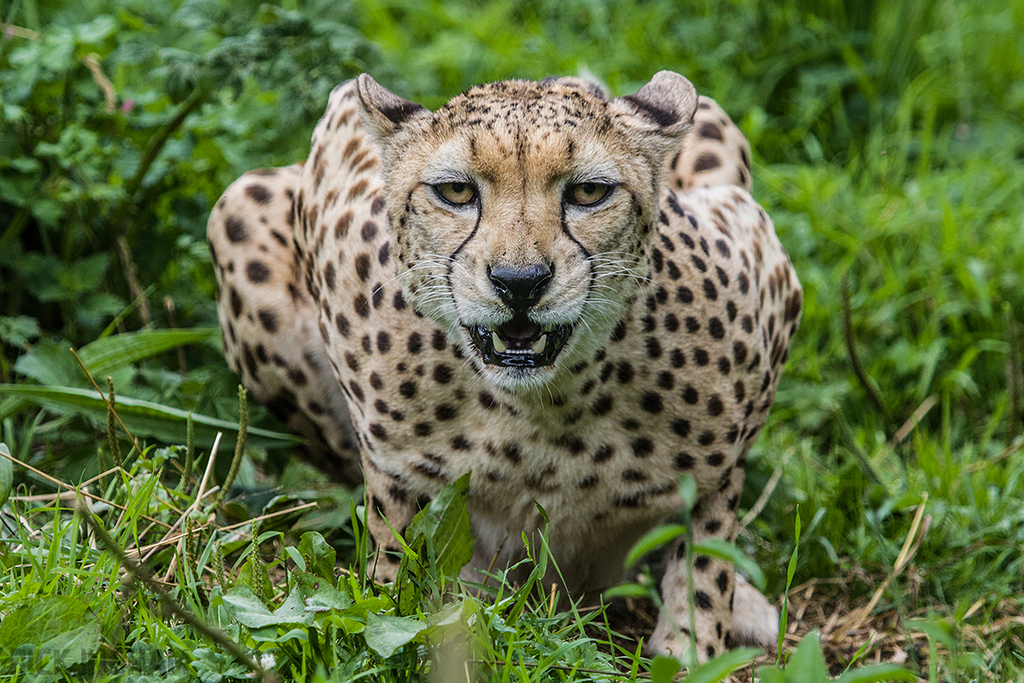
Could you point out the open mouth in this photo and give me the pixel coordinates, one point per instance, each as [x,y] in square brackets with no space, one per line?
[519,343]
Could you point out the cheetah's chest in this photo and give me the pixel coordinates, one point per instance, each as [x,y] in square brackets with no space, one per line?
[608,450]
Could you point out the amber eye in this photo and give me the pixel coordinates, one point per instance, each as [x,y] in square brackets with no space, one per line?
[588,194]
[458,193]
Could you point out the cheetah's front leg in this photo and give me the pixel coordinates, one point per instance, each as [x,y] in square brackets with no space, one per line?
[725,609]
[392,507]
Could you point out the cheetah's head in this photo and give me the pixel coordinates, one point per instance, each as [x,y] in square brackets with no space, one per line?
[521,212]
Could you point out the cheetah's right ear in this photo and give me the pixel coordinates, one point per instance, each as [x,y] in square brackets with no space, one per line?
[668,103]
[383,111]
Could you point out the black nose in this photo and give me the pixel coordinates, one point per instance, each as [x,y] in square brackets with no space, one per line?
[520,288]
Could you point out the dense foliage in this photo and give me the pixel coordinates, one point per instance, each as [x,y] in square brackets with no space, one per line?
[889,149]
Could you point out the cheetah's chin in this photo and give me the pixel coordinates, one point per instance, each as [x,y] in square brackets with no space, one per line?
[519,343]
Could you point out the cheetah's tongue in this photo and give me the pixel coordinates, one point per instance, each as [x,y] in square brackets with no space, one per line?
[518,334]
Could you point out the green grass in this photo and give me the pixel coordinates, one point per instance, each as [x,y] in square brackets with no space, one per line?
[889,149]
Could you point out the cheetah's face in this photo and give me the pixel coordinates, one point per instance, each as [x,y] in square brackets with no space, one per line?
[521,212]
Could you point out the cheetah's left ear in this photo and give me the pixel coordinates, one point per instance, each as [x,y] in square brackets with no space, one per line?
[383,111]
[667,103]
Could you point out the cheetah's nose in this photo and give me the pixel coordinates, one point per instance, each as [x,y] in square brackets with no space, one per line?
[520,288]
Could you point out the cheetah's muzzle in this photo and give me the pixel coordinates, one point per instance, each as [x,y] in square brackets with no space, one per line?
[519,343]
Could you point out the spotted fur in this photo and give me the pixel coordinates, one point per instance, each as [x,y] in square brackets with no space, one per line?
[348,289]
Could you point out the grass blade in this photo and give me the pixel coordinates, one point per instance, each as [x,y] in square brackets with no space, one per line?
[143,417]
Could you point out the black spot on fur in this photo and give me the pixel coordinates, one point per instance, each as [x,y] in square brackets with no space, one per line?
[361,305]
[603,405]
[652,402]
[442,373]
[257,272]
[363,266]
[235,229]
[642,447]
[445,411]
[684,461]
[716,329]
[681,427]
[603,453]
[723,582]
[236,302]
[709,130]
[268,319]
[258,193]
[710,291]
[707,161]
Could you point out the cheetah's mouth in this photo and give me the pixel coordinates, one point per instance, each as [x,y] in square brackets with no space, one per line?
[519,343]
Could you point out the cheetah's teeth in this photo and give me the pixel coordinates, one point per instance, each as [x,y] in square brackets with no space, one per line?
[538,346]
[499,345]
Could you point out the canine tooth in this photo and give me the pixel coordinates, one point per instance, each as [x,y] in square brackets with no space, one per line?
[538,346]
[499,345]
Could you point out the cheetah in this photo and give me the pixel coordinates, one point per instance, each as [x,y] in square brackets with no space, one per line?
[572,297]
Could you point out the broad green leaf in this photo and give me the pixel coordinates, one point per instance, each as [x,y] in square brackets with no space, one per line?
[51,363]
[57,626]
[446,522]
[245,608]
[723,550]
[6,474]
[664,669]
[299,634]
[18,330]
[319,555]
[110,353]
[320,595]
[721,666]
[451,613]
[877,672]
[293,610]
[653,539]
[361,608]
[808,661]
[384,634]
[769,674]
[249,611]
[144,418]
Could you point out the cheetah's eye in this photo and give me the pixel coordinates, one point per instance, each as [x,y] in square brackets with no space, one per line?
[457,193]
[587,194]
